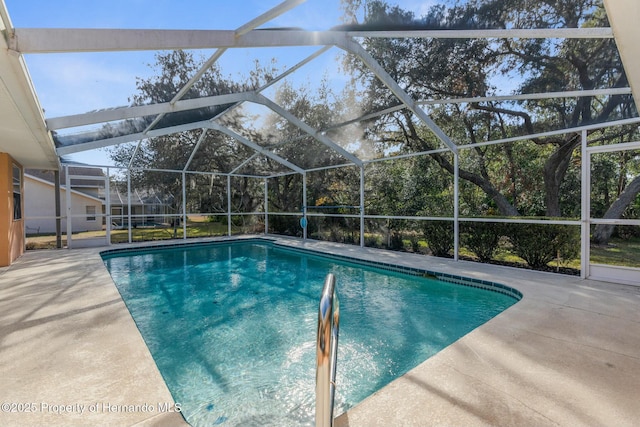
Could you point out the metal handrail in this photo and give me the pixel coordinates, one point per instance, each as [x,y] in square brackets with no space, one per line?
[327,352]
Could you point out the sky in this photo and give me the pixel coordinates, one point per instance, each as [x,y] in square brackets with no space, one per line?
[81,82]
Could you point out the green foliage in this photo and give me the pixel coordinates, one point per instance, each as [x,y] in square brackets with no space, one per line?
[396,243]
[285,193]
[285,225]
[414,186]
[217,152]
[530,178]
[414,241]
[206,194]
[539,244]
[236,220]
[620,251]
[372,241]
[439,237]
[482,238]
[341,230]
[507,176]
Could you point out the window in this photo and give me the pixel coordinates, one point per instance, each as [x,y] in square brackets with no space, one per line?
[91,213]
[17,193]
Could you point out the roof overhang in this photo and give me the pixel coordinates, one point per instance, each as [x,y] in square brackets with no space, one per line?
[23,131]
[624,16]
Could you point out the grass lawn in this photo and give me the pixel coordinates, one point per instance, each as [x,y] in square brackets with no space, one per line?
[140,234]
[618,252]
[622,252]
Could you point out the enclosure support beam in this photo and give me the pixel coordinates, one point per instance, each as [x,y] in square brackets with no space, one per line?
[508,98]
[101,143]
[278,78]
[229,205]
[356,49]
[56,179]
[456,196]
[263,100]
[59,40]
[254,146]
[585,214]
[129,203]
[107,208]
[194,79]
[195,149]
[67,192]
[124,113]
[593,126]
[244,29]
[266,206]
[135,152]
[184,206]
[362,206]
[244,163]
[304,205]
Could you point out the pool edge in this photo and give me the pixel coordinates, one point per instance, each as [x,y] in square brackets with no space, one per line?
[414,271]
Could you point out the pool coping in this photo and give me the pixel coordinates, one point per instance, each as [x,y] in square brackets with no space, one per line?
[565,354]
[487,285]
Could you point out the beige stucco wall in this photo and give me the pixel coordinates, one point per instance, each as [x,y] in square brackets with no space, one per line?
[11,230]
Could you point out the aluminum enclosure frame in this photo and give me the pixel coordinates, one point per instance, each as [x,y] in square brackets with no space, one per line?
[41,41]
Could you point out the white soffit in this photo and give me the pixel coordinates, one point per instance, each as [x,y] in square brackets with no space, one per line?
[624,17]
[23,132]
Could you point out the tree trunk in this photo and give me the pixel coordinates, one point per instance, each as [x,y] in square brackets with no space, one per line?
[603,232]
[504,206]
[555,169]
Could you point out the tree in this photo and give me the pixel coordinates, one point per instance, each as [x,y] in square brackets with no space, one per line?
[433,68]
[567,65]
[216,153]
[614,188]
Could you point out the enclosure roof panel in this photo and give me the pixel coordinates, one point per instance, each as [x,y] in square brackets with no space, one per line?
[28,135]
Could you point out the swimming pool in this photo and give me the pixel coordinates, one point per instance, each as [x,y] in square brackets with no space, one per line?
[231,326]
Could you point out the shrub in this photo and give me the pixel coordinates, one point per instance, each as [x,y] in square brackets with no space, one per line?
[285,225]
[539,244]
[350,238]
[372,241]
[439,237]
[482,238]
[396,243]
[236,220]
[415,242]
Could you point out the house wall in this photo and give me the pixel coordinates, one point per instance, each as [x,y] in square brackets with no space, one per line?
[143,215]
[40,202]
[12,241]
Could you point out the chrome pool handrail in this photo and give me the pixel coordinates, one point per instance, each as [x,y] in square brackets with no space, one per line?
[327,352]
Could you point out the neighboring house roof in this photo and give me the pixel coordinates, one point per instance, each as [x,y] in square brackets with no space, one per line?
[62,187]
[140,197]
[48,175]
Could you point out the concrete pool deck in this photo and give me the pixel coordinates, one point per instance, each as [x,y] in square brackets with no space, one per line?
[567,354]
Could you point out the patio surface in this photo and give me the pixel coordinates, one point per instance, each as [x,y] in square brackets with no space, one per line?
[567,354]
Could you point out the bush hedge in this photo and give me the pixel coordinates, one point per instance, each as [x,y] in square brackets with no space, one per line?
[482,238]
[539,244]
[439,237]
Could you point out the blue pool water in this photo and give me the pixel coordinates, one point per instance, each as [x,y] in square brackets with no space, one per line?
[232,326]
